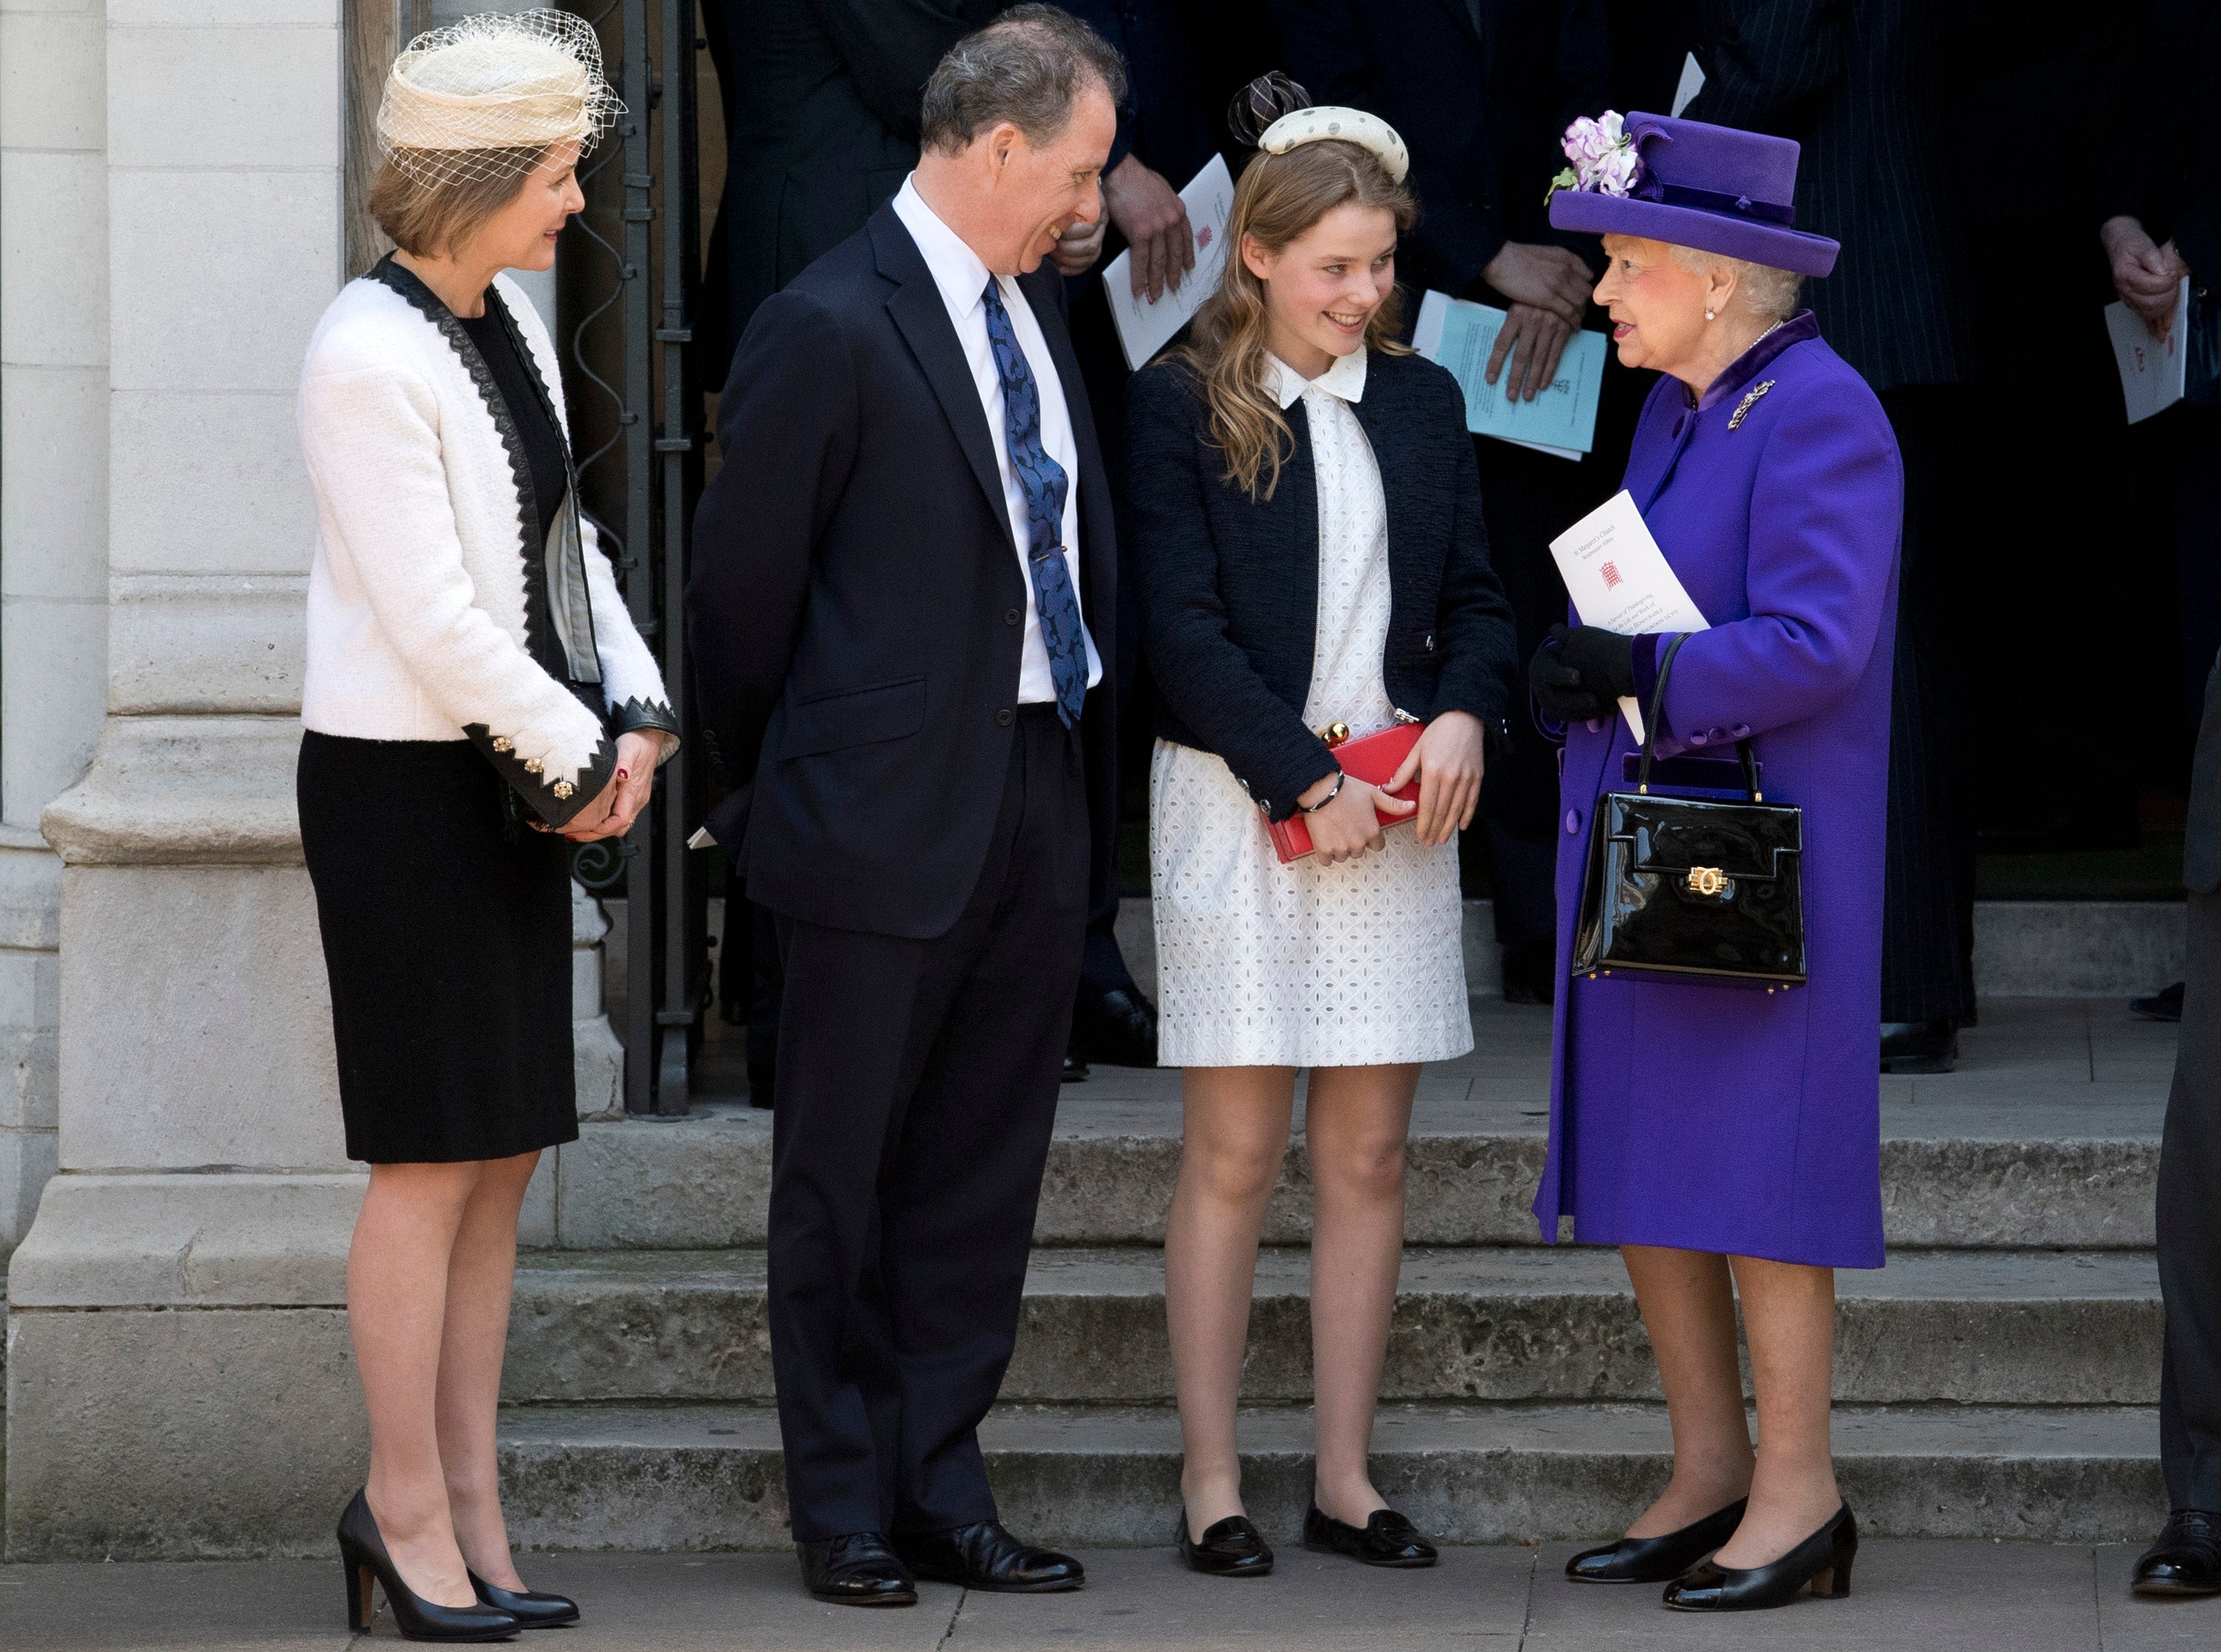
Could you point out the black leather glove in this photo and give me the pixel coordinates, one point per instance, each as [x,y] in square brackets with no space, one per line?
[1582,671]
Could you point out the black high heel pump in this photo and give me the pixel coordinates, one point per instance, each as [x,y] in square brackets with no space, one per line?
[362,1552]
[1823,1559]
[531,1609]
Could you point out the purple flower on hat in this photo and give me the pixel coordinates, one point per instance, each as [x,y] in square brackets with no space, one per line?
[1604,157]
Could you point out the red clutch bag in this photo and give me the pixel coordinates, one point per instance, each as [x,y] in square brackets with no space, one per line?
[1373,760]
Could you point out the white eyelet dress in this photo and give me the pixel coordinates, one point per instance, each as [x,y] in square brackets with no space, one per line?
[1308,965]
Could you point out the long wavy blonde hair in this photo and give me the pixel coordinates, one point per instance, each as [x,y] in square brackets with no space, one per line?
[1279,198]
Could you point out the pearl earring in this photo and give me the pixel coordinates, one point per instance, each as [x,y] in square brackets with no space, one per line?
[1710,317]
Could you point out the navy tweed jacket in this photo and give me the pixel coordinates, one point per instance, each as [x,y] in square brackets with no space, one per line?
[1229,586]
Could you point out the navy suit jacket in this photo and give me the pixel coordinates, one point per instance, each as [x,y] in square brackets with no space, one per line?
[856,606]
[1229,584]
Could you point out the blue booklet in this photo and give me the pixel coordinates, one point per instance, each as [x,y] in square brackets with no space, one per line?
[1459,334]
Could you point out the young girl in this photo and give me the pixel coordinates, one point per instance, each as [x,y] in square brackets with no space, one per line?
[1304,514]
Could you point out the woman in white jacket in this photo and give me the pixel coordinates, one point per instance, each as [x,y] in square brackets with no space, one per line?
[476,700]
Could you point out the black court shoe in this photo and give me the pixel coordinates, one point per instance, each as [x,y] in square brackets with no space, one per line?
[531,1609]
[857,1568]
[1660,1559]
[2185,1559]
[1920,1046]
[362,1552]
[1823,1559]
[1386,1538]
[1228,1548]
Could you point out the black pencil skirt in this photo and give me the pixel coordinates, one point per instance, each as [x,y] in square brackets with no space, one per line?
[447,931]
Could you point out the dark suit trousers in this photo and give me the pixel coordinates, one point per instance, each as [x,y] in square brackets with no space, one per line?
[2190,1229]
[1928,871]
[917,1086]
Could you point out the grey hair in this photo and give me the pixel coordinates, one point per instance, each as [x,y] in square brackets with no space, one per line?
[1767,293]
[1027,67]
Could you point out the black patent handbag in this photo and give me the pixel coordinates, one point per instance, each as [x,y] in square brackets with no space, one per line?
[1692,888]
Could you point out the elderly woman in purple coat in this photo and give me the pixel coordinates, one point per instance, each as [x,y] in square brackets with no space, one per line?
[1729,1141]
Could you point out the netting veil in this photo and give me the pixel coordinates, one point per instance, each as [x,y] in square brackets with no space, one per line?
[483,98]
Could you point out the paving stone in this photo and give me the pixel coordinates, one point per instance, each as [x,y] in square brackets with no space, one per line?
[1971,1327]
[706,1477]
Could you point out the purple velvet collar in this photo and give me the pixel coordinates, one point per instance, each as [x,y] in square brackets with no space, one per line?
[1753,361]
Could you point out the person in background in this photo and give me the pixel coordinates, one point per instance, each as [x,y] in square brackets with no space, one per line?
[821,106]
[1730,1141]
[2185,1557]
[902,607]
[2168,231]
[476,700]
[2164,227]
[1305,519]
[1860,88]
[1482,90]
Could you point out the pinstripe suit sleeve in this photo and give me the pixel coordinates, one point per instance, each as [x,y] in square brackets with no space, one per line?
[1761,60]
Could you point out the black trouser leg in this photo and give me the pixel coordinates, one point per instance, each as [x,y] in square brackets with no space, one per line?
[2189,1218]
[917,1087]
[1928,876]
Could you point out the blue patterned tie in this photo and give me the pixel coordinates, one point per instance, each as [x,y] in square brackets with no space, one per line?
[1045,485]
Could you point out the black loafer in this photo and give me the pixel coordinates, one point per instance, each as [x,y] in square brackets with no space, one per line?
[985,1556]
[1385,1539]
[1920,1046]
[856,1569]
[2165,1005]
[531,1609]
[1228,1548]
[1661,1559]
[1116,1029]
[2185,1559]
[1822,1560]
[1075,1069]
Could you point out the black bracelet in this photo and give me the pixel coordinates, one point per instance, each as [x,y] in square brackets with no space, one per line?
[1313,808]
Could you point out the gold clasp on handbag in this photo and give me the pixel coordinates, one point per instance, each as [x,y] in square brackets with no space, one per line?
[1704,879]
[1334,734]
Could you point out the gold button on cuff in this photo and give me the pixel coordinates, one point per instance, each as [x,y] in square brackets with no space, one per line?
[564,788]
[501,743]
[532,765]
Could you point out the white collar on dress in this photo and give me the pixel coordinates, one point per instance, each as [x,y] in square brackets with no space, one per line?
[956,269]
[1345,379]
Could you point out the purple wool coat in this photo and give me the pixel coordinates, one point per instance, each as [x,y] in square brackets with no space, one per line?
[1713,1118]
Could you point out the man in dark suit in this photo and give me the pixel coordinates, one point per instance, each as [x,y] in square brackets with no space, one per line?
[1481,92]
[903,598]
[820,101]
[1857,83]
[2187,1557]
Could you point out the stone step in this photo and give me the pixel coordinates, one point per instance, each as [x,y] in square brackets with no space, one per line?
[703,1477]
[1981,1328]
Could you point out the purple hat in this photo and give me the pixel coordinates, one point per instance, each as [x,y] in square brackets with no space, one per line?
[1711,187]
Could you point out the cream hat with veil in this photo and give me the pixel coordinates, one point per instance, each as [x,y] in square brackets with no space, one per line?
[484,97]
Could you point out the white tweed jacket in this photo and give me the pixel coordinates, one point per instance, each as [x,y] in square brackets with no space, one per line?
[433,612]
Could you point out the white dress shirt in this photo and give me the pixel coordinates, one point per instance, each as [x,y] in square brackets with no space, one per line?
[962,280]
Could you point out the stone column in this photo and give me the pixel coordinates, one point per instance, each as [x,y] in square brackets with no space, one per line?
[179,1380]
[53,527]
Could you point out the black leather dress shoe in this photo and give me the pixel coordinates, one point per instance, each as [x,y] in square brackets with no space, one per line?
[1116,1029]
[1228,1548]
[1661,1559]
[2165,1005]
[1386,1538]
[1919,1046]
[985,1556]
[531,1609]
[1530,973]
[1075,1069]
[857,1568]
[2185,1559]
[1823,1559]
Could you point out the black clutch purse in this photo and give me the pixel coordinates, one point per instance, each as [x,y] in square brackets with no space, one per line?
[1694,889]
